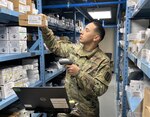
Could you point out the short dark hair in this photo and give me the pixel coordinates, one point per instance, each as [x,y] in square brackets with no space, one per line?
[99,28]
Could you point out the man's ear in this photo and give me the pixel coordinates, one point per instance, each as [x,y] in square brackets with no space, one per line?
[97,38]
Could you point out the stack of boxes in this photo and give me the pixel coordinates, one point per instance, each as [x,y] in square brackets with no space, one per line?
[13,39]
[31,66]
[18,76]
[19,5]
[6,83]
[136,41]
[12,77]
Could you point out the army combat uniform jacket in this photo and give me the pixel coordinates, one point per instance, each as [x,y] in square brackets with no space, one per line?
[92,80]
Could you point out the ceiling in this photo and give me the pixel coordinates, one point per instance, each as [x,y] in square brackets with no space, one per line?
[68,12]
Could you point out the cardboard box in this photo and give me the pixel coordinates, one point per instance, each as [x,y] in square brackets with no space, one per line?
[10,5]
[17,29]
[3,30]
[146,104]
[33,20]
[18,46]
[6,76]
[4,46]
[3,3]
[19,7]
[6,90]
[18,36]
[17,72]
[24,2]
[4,37]
[29,7]
[21,82]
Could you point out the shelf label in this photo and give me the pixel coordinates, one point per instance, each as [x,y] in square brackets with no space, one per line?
[35,19]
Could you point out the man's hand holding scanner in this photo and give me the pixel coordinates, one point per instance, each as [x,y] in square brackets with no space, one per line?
[72,69]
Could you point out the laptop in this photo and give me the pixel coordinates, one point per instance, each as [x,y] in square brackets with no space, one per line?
[44,99]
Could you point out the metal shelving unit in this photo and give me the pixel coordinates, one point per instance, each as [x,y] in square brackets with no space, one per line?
[141,11]
[6,57]
[49,76]
[6,15]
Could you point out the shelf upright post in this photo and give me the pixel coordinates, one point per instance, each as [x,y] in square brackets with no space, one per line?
[125,61]
[41,47]
[75,18]
[117,50]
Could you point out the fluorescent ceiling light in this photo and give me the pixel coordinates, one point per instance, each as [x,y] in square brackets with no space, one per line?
[100,14]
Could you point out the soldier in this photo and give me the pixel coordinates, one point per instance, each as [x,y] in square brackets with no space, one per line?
[89,75]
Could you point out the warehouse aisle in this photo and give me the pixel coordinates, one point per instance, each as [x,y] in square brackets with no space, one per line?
[108,107]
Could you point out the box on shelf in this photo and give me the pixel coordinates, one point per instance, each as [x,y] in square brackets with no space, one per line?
[4,46]
[145,54]
[17,72]
[24,2]
[136,88]
[29,7]
[146,104]
[18,46]
[10,5]
[6,90]
[4,36]
[18,36]
[19,7]
[6,76]
[33,20]
[24,82]
[3,3]
[3,30]
[32,72]
[17,29]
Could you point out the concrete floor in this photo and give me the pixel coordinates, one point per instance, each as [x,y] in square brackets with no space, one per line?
[107,102]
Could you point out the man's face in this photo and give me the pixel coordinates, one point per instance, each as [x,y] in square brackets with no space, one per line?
[88,34]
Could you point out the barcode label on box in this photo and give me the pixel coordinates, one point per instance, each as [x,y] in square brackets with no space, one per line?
[34,19]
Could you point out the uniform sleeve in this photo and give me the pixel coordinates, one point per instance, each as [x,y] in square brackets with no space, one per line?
[95,85]
[56,46]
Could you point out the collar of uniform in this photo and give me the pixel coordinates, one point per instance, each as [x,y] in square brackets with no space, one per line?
[87,54]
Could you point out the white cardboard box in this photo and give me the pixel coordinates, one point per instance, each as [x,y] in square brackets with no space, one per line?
[10,5]
[17,72]
[4,46]
[5,76]
[3,3]
[18,46]
[17,29]
[18,36]
[6,90]
[32,72]
[4,36]
[3,30]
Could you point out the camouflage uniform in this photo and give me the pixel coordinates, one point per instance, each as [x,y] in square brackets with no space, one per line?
[93,78]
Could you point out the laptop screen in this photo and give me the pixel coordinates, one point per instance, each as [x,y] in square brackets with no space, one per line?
[44,99]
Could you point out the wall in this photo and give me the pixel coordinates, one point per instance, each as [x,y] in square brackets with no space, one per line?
[107,45]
